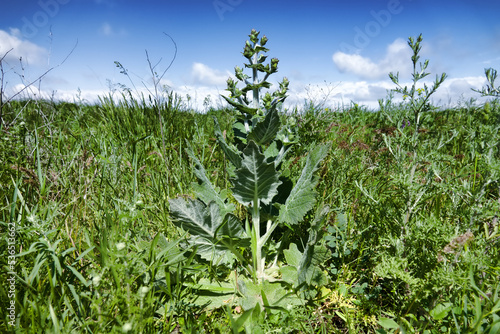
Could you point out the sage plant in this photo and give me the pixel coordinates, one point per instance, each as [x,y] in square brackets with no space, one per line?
[262,141]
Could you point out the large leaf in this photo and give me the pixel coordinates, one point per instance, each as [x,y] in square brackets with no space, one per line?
[266,130]
[211,250]
[195,217]
[205,189]
[256,179]
[308,264]
[302,197]
[217,239]
[231,227]
[269,294]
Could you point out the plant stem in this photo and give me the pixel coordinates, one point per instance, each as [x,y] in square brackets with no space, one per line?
[255,82]
[256,242]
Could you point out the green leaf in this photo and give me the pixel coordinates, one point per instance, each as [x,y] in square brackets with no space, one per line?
[309,271]
[315,254]
[213,295]
[242,108]
[231,227]
[232,233]
[440,311]
[265,131]
[388,323]
[206,191]
[289,274]
[302,197]
[216,238]
[240,321]
[495,327]
[195,217]
[211,250]
[256,179]
[269,294]
[292,255]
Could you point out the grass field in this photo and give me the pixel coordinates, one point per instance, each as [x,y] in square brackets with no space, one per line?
[407,240]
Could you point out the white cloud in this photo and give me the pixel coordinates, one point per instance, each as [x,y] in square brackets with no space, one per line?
[397,59]
[107,30]
[30,52]
[451,93]
[202,74]
[338,95]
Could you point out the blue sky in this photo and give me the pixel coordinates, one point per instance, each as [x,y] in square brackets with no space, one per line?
[335,50]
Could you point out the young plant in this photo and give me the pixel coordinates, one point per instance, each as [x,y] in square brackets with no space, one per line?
[269,199]
[418,103]
[490,89]
[418,97]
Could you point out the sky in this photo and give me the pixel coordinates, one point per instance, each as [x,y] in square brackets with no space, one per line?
[333,52]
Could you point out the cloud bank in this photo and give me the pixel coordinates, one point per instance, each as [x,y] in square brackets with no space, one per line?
[395,60]
[12,44]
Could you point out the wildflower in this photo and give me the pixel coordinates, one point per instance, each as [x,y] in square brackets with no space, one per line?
[96,280]
[127,327]
[405,123]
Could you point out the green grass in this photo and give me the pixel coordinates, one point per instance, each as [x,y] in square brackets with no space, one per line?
[88,188]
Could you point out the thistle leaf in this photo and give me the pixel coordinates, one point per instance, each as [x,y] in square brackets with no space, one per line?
[256,179]
[231,227]
[302,196]
[216,238]
[195,217]
[266,131]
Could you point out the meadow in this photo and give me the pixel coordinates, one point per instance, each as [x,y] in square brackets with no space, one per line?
[140,215]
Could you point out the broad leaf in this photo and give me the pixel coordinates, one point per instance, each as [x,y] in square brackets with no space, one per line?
[195,217]
[440,311]
[231,227]
[211,250]
[292,255]
[232,234]
[302,197]
[388,323]
[256,179]
[272,294]
[266,130]
[205,190]
[217,239]
[308,263]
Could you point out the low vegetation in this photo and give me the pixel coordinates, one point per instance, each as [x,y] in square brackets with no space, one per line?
[139,215]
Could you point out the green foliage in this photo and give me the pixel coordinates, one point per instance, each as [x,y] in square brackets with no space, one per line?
[411,244]
[269,200]
[258,186]
[490,89]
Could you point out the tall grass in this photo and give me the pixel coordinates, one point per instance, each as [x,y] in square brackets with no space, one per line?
[88,187]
